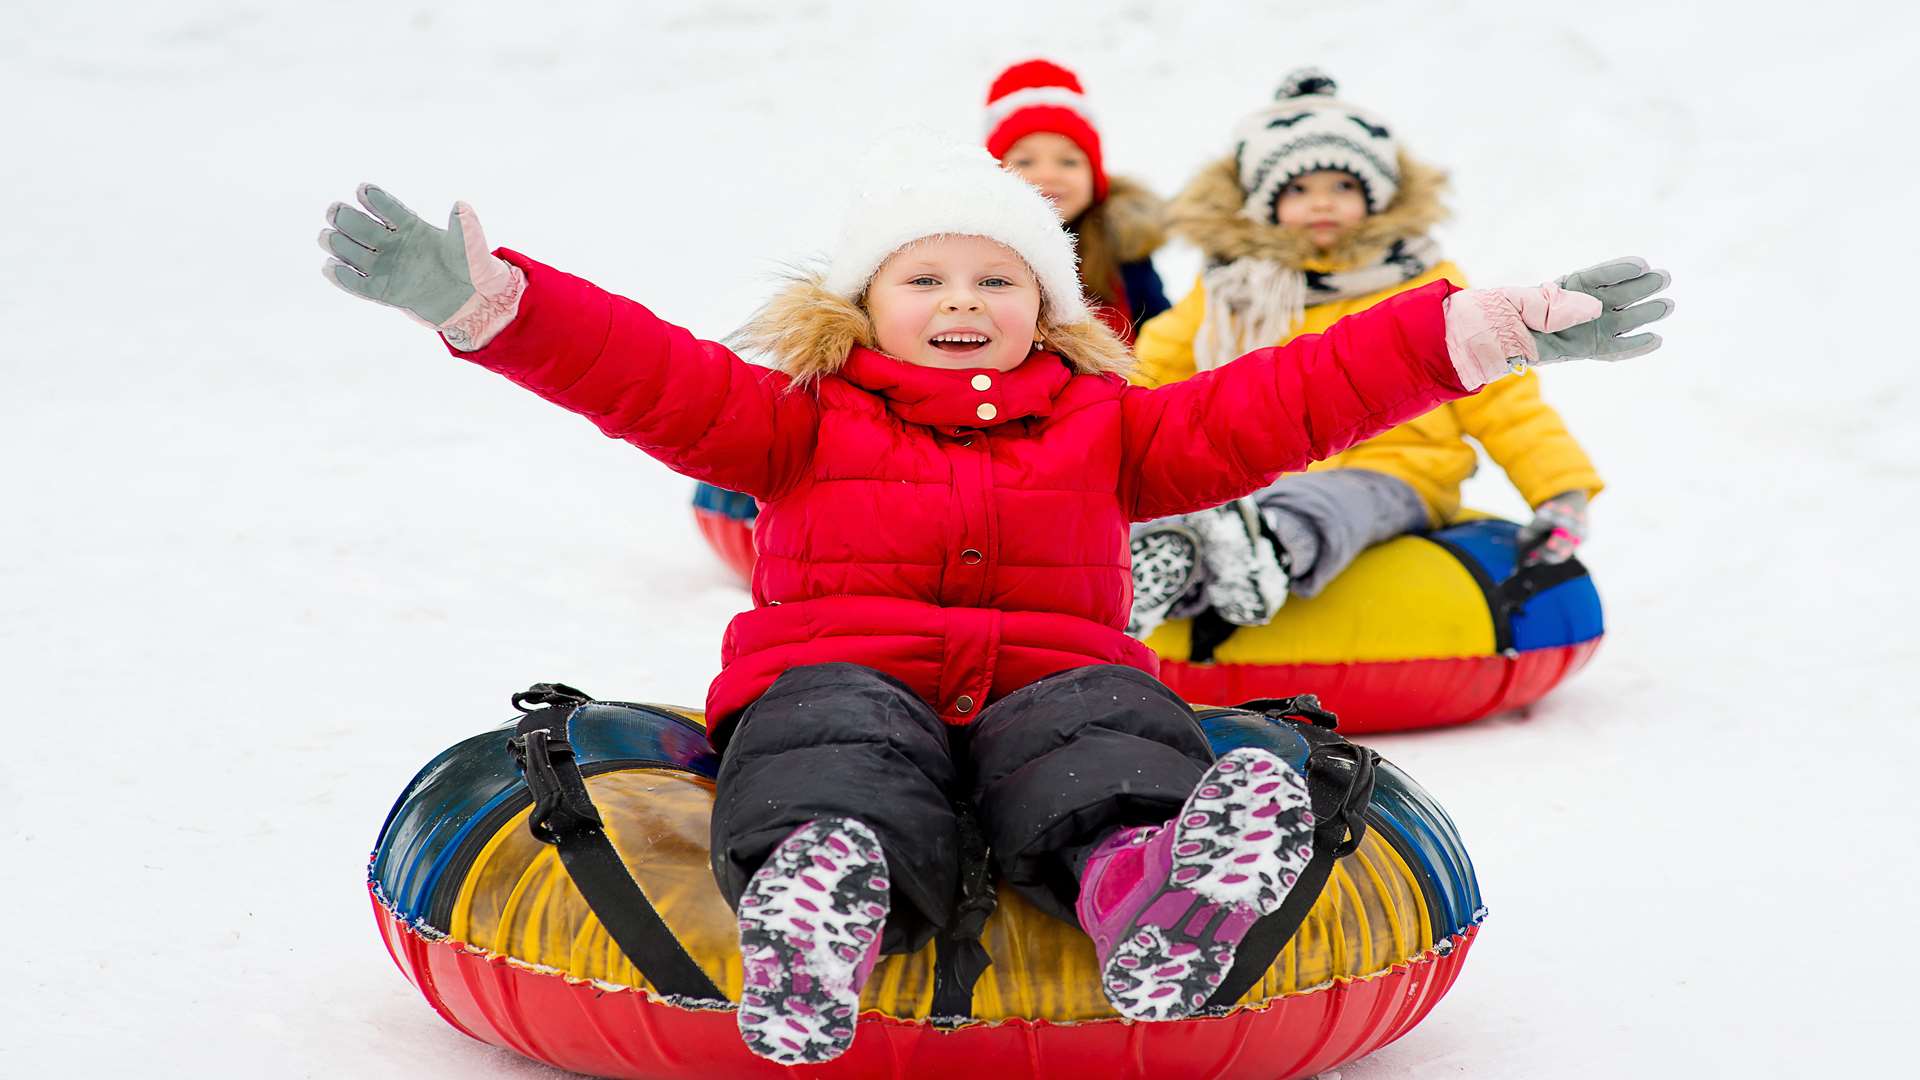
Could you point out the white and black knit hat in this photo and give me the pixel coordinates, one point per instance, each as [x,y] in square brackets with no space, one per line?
[1305,129]
[914,187]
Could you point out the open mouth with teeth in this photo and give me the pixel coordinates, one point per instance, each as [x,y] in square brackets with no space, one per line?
[959,342]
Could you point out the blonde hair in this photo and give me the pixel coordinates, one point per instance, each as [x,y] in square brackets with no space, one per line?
[808,332]
[1099,267]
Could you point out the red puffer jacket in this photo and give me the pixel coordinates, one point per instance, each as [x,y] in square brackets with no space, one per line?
[963,531]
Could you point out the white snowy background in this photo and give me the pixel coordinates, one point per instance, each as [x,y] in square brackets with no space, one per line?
[264,549]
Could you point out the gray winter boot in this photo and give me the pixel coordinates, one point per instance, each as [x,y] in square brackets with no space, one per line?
[1246,570]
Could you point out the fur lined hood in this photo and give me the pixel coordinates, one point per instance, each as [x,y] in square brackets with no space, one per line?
[1136,219]
[808,331]
[1207,215]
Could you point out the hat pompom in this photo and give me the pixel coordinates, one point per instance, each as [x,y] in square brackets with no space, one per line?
[1300,82]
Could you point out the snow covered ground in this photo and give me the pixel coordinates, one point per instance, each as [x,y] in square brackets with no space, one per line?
[264,550]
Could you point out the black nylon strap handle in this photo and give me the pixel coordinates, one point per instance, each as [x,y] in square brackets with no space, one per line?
[1268,936]
[959,958]
[564,816]
[1304,707]
[1207,632]
[1339,785]
[1529,581]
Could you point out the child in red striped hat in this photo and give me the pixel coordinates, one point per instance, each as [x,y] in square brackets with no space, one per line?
[1039,126]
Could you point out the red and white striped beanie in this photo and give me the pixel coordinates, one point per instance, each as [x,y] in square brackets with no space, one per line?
[1039,95]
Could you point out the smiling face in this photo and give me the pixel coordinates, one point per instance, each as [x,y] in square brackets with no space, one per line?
[1058,167]
[1323,204]
[955,302]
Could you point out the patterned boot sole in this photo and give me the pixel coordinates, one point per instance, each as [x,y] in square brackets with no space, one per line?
[1239,845]
[807,921]
[1164,564]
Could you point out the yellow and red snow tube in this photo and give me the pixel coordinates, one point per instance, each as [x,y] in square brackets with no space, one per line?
[496,930]
[1420,631]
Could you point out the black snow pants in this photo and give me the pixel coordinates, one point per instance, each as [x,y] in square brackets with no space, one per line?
[1051,768]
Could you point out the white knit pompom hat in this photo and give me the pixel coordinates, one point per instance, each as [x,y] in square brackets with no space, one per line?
[914,186]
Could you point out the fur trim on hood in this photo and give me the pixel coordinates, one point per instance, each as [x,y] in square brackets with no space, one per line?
[1136,219]
[807,331]
[1207,215]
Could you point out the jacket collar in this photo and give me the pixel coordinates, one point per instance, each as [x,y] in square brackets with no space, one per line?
[939,397]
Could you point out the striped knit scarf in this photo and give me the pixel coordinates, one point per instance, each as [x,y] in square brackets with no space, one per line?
[1253,303]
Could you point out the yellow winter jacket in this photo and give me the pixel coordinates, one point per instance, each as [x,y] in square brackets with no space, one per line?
[1520,431]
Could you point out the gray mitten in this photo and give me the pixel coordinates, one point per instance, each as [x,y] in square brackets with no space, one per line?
[1623,287]
[443,278]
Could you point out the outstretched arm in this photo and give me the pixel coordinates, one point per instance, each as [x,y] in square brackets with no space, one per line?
[1227,432]
[1230,431]
[691,403]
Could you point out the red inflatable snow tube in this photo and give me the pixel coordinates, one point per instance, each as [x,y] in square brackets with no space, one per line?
[726,519]
[585,1028]
[490,922]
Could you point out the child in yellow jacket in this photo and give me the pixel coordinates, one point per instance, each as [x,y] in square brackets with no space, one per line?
[1317,215]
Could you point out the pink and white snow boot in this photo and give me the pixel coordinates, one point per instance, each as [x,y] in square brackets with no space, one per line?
[810,924]
[1167,905]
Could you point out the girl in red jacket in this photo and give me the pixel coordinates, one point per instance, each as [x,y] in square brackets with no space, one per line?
[948,463]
